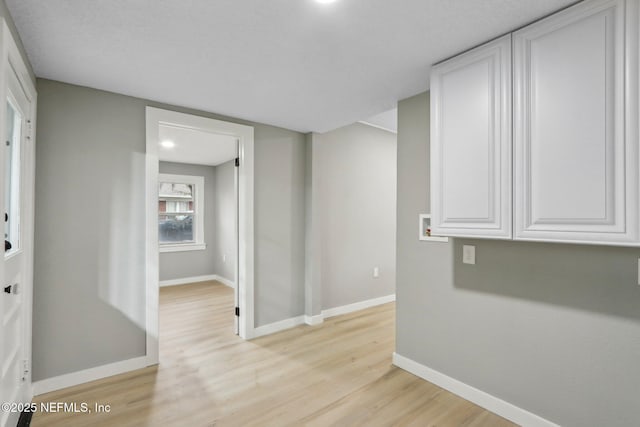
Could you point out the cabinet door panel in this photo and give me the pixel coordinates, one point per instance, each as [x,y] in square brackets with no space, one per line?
[471,143]
[466,170]
[575,168]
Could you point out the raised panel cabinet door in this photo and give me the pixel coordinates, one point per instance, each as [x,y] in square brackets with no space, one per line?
[575,125]
[471,143]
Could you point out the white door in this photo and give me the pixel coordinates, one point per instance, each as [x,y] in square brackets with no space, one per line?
[575,164]
[471,143]
[236,215]
[18,178]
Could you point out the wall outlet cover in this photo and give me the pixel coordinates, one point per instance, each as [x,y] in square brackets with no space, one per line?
[468,254]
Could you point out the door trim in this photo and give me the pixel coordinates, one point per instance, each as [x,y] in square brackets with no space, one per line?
[245,279]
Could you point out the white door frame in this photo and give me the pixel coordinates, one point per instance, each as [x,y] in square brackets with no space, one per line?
[12,62]
[154,118]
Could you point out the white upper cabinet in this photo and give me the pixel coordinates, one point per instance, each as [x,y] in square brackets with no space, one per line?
[575,106]
[471,143]
[574,103]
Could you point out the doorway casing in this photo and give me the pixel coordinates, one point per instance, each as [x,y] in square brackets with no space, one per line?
[155,117]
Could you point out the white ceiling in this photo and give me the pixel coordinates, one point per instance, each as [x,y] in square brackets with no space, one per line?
[196,147]
[296,64]
[387,120]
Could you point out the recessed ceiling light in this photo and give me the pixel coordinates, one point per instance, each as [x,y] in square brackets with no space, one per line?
[326,1]
[167,143]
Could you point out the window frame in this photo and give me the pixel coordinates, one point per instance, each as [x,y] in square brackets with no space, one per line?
[15,236]
[198,212]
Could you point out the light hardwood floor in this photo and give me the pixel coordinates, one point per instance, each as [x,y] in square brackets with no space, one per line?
[335,374]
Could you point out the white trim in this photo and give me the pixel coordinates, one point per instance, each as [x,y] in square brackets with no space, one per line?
[182,247]
[197,279]
[378,127]
[245,136]
[152,255]
[244,270]
[349,308]
[185,280]
[472,394]
[421,230]
[87,375]
[317,320]
[282,325]
[236,234]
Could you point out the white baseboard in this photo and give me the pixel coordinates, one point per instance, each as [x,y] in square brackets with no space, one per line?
[196,279]
[184,280]
[345,309]
[472,394]
[349,308]
[314,320]
[87,375]
[318,319]
[272,328]
[225,281]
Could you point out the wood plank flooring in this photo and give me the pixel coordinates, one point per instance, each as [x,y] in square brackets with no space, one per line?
[335,374]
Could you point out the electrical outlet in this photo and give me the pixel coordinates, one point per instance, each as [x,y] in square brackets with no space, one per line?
[224,257]
[468,254]
[376,272]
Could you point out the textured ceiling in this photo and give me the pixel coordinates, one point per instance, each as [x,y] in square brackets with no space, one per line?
[296,64]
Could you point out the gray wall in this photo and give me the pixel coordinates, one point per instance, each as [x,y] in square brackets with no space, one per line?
[551,328]
[354,170]
[178,265]
[279,224]
[89,292]
[89,249]
[225,221]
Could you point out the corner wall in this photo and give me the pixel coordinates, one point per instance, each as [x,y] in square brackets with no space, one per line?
[551,328]
[353,217]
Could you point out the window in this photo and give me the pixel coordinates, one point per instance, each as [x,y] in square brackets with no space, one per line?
[180,213]
[12,178]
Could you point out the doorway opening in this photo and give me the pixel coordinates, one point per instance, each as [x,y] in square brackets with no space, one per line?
[199,174]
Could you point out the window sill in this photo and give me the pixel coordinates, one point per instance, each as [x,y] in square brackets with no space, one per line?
[183,247]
